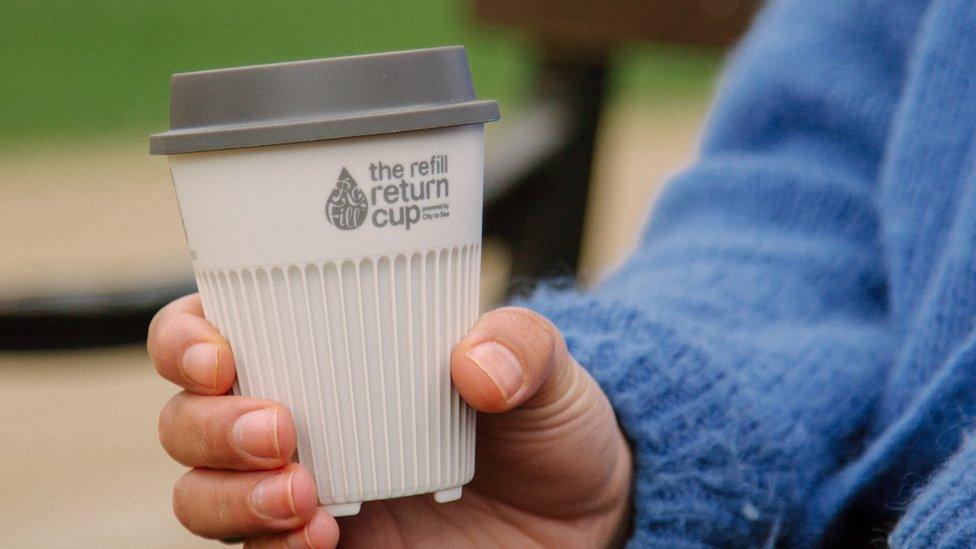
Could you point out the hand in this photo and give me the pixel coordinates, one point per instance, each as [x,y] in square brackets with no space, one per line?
[552,467]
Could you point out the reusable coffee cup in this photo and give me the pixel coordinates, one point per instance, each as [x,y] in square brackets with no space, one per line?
[333,214]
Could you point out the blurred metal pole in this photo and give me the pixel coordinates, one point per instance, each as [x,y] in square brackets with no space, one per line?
[541,214]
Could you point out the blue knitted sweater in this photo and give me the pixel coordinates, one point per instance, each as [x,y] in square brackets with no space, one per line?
[792,347]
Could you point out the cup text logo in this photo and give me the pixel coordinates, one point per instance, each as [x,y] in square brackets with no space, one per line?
[347,205]
[400,195]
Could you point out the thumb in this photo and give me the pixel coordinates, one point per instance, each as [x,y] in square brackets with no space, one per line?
[512,358]
[558,446]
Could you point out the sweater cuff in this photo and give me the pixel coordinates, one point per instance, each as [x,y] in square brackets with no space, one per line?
[944,512]
[703,476]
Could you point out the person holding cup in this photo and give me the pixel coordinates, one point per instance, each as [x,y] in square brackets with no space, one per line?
[786,359]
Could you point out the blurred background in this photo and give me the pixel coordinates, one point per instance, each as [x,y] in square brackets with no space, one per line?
[613,93]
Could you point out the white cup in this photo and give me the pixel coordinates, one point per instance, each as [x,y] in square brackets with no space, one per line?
[343,270]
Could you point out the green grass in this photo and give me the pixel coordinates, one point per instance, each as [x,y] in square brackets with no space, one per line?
[665,73]
[96,66]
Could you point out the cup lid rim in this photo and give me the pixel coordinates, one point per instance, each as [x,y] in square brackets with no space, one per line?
[320,99]
[282,132]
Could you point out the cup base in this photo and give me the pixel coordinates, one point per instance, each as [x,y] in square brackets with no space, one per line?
[449,495]
[344,509]
[350,509]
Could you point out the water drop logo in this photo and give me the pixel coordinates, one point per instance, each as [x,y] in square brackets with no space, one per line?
[347,205]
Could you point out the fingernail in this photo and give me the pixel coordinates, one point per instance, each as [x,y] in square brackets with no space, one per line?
[500,364]
[315,534]
[199,364]
[272,498]
[256,433]
[316,531]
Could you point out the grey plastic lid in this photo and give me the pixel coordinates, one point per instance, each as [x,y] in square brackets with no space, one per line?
[321,99]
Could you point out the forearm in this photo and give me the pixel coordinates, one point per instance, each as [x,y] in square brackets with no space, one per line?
[943,514]
[742,343]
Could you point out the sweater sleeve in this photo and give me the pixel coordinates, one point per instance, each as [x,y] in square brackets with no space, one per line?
[943,514]
[743,342]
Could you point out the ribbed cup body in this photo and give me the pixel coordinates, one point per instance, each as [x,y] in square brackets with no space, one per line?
[359,351]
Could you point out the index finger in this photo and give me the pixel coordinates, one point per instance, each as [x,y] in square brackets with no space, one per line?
[188,350]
